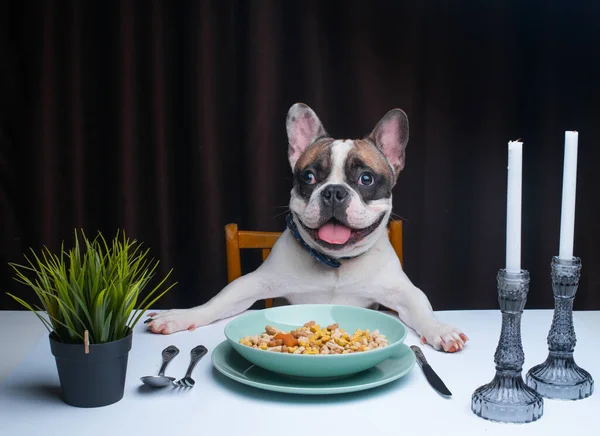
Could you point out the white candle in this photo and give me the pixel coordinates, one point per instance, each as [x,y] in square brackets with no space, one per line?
[567,216]
[513,207]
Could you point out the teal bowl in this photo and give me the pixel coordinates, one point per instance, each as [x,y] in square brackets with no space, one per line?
[317,365]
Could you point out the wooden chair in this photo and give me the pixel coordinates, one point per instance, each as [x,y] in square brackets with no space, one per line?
[236,240]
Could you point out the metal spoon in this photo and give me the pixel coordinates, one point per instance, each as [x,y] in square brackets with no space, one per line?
[160,380]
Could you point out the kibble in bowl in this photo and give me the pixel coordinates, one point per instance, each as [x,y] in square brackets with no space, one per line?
[338,341]
[311,338]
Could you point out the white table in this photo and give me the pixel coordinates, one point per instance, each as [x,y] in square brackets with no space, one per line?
[29,404]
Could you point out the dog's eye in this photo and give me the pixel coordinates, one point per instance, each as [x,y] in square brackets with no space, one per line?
[366,179]
[308,177]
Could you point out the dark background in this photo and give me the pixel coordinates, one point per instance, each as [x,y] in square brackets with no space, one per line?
[167,119]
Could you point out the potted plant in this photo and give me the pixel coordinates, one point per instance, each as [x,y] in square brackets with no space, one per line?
[92,295]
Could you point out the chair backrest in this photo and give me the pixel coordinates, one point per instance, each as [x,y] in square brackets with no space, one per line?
[236,240]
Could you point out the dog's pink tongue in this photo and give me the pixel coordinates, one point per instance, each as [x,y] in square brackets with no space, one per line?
[334,233]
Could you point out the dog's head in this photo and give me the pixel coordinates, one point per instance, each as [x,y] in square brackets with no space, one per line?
[342,195]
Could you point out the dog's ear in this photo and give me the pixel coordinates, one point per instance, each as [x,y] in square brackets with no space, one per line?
[303,128]
[391,136]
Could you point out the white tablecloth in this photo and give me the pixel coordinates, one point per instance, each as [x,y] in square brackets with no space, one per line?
[29,402]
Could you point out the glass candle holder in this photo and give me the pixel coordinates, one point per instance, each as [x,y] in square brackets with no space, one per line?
[507,398]
[559,377]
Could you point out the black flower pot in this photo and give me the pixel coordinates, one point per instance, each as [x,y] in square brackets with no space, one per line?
[94,379]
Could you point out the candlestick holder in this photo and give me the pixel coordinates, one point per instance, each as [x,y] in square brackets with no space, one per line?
[559,377]
[507,398]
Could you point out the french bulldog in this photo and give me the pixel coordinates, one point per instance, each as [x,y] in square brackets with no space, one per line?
[335,249]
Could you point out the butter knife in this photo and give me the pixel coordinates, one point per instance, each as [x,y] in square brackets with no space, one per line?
[434,380]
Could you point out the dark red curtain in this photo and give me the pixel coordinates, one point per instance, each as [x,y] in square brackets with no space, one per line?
[166,119]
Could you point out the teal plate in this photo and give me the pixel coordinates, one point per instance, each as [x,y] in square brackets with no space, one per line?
[229,363]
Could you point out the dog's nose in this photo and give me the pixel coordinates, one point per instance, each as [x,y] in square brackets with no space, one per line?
[334,195]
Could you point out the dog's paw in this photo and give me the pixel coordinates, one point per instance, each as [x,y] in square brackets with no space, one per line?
[444,337]
[172,321]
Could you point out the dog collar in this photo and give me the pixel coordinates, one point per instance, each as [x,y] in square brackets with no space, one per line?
[323,258]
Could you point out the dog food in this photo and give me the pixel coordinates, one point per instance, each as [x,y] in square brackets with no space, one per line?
[312,339]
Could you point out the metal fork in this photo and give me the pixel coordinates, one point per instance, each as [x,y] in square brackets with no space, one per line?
[196,354]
